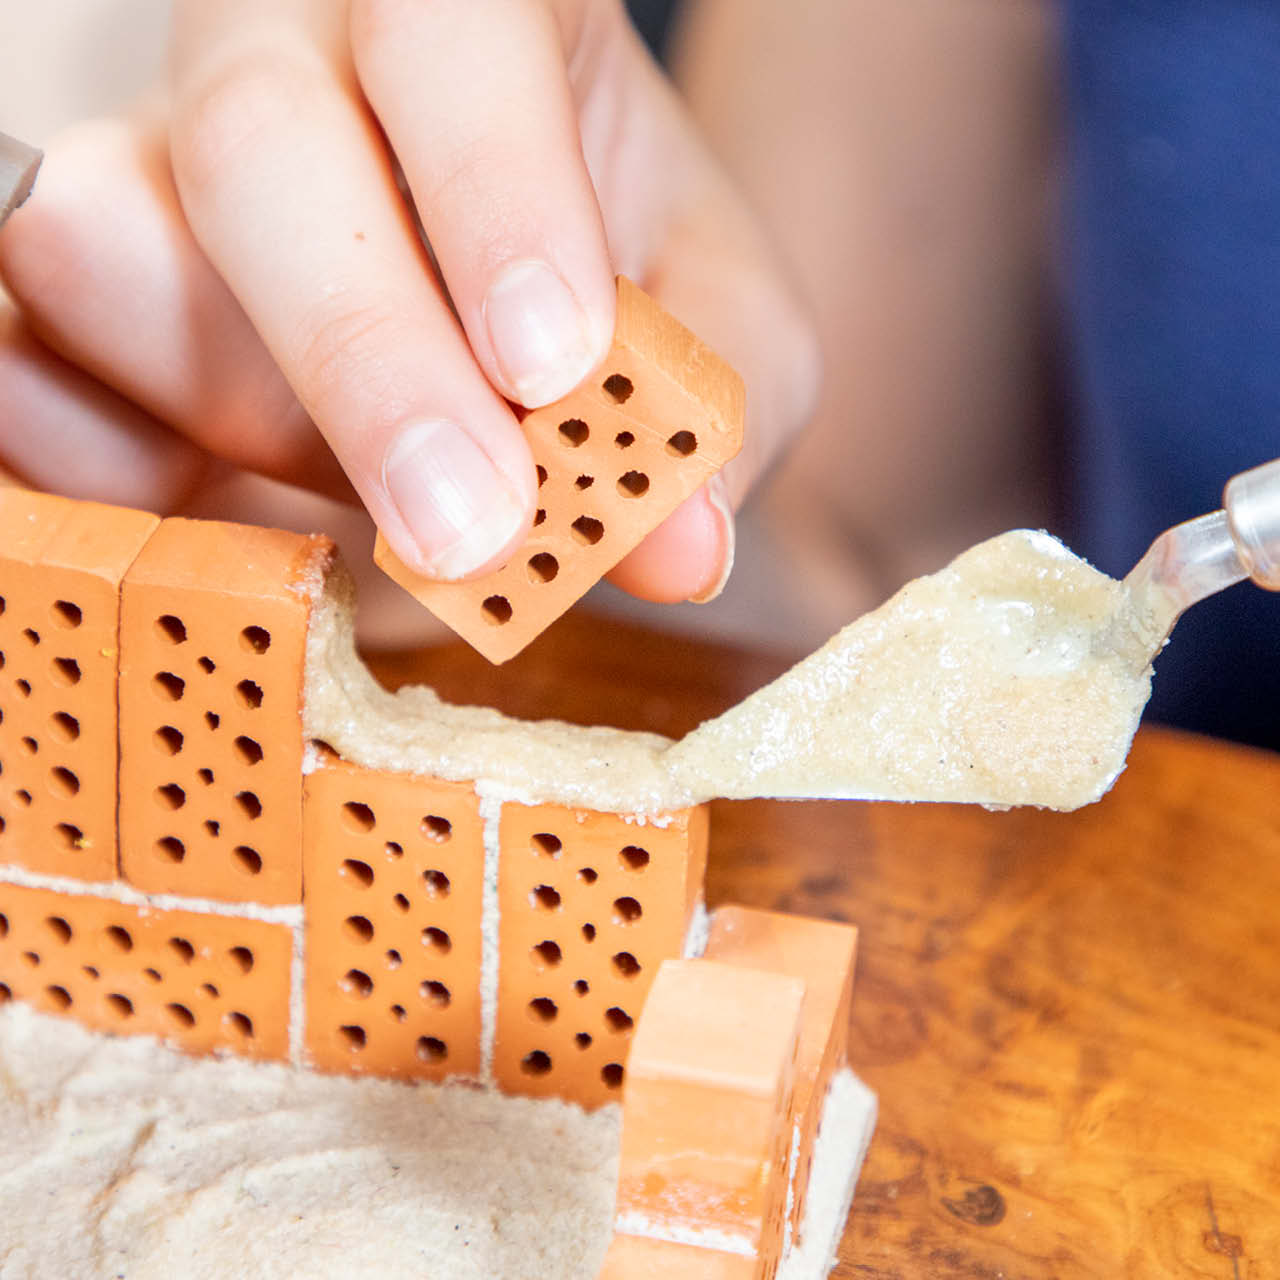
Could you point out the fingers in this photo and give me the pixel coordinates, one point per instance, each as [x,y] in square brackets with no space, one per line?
[290,192]
[474,96]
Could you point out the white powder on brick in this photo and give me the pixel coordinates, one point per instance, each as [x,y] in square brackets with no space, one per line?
[127,1159]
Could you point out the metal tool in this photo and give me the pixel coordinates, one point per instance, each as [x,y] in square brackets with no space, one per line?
[18,166]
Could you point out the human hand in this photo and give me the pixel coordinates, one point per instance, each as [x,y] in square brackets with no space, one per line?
[264,299]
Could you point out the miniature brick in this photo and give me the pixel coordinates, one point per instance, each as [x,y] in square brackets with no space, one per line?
[615,457]
[394,873]
[204,982]
[61,563]
[822,954]
[639,1258]
[590,905]
[213,633]
[706,1136]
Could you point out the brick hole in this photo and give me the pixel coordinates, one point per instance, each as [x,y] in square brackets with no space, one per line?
[31,636]
[584,482]
[393,849]
[31,958]
[588,875]
[581,987]
[536,1063]
[612,1075]
[546,843]
[30,745]
[436,883]
[542,475]
[399,1012]
[355,982]
[171,628]
[618,1019]
[250,694]
[66,671]
[169,686]
[171,796]
[248,750]
[59,997]
[168,739]
[574,432]
[240,1023]
[120,938]
[582,1040]
[626,964]
[436,993]
[587,530]
[66,614]
[543,1009]
[634,858]
[393,959]
[90,972]
[70,835]
[182,949]
[358,929]
[2,824]
[5,994]
[255,639]
[543,567]
[682,444]
[589,932]
[624,439]
[1,659]
[323,750]
[180,1016]
[208,990]
[539,516]
[353,1038]
[437,940]
[242,958]
[618,387]
[401,902]
[248,804]
[626,911]
[23,797]
[497,610]
[4,925]
[207,665]
[172,848]
[120,1006]
[436,828]
[357,872]
[60,929]
[212,719]
[23,687]
[431,1049]
[547,953]
[2,606]
[358,817]
[205,776]
[247,859]
[151,975]
[66,728]
[545,897]
[633,484]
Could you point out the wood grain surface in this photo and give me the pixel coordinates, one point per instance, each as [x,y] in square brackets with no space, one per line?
[1072,1020]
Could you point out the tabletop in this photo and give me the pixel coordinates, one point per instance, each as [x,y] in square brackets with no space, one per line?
[1072,1020]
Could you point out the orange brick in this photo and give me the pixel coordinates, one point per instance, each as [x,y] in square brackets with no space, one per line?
[822,954]
[394,871]
[204,982]
[590,906]
[638,1258]
[705,1132]
[213,633]
[61,563]
[652,424]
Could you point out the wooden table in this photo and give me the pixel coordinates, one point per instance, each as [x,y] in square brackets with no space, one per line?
[1072,1021]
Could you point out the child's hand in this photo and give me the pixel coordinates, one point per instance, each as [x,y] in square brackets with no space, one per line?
[267,300]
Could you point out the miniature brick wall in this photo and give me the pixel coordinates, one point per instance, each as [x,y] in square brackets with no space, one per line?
[213,632]
[206,982]
[394,883]
[590,905]
[60,567]
[615,458]
[638,1258]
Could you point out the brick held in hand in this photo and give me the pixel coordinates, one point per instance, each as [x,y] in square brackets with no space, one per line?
[647,428]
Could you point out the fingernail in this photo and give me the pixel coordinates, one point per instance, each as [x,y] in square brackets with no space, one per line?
[539,333]
[460,510]
[718,497]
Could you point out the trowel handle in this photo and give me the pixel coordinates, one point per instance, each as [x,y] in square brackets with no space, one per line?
[1252,503]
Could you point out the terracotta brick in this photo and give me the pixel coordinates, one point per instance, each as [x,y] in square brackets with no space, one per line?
[705,1132]
[821,953]
[61,563]
[646,429]
[638,1258]
[394,874]
[590,905]
[213,633]
[203,982]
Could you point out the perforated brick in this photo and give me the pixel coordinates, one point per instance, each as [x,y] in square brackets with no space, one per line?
[706,1132]
[637,1258]
[394,872]
[213,632]
[590,906]
[204,982]
[61,563]
[646,429]
[821,953]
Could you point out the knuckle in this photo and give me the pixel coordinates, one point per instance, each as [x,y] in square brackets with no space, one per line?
[342,349]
